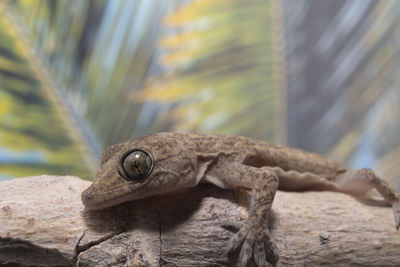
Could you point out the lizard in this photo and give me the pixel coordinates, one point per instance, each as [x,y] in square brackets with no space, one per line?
[166,162]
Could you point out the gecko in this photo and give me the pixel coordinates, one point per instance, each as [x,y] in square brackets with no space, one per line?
[166,162]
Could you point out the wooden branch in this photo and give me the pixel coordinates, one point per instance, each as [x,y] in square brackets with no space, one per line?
[43,223]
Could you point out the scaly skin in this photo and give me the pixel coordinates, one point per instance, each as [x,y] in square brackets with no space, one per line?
[183,160]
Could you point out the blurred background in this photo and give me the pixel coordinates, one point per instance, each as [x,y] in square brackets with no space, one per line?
[78,75]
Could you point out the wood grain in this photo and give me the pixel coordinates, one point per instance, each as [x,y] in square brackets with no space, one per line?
[43,223]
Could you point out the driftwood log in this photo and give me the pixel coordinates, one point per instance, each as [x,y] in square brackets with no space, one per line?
[43,223]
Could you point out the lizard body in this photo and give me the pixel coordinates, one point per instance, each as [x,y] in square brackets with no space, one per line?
[168,162]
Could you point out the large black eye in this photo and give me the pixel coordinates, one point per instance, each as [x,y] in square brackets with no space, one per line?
[137,165]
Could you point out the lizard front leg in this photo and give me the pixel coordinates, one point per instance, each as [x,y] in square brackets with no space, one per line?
[254,235]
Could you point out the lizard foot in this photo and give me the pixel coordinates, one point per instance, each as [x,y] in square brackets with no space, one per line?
[396,213]
[255,241]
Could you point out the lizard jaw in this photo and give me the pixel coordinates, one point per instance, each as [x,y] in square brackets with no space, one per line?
[94,200]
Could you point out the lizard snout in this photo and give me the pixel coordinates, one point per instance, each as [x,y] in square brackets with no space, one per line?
[87,197]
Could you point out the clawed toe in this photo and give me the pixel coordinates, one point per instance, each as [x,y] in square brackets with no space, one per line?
[247,249]
[272,252]
[254,243]
[259,254]
[236,240]
[396,213]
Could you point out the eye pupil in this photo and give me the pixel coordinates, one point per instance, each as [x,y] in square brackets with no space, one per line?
[137,165]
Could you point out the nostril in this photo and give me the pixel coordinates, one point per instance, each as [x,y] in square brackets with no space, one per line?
[86,196]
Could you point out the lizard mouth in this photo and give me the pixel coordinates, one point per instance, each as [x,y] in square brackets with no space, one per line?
[94,200]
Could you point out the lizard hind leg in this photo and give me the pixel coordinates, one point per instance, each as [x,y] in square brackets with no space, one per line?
[360,181]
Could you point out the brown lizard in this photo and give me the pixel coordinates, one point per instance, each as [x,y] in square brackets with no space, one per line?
[166,162]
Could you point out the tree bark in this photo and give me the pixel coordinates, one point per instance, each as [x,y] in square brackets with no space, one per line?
[43,223]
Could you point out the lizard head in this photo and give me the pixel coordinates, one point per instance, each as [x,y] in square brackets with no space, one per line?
[142,167]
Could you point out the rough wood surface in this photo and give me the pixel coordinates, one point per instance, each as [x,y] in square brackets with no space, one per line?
[43,223]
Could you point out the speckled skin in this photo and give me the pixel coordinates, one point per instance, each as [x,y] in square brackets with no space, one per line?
[184,160]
